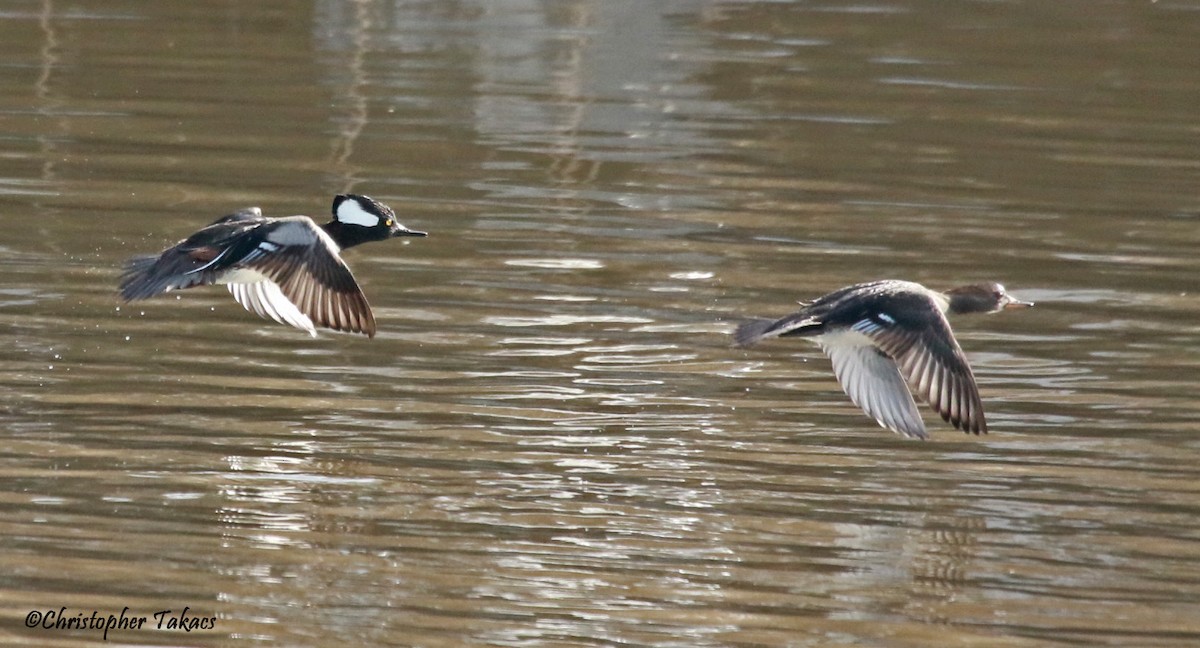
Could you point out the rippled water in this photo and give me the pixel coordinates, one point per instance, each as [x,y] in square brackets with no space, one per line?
[551,441]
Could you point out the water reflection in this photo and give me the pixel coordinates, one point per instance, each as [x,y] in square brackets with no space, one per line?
[550,440]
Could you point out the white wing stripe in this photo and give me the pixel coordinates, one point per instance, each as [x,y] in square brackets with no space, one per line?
[209,264]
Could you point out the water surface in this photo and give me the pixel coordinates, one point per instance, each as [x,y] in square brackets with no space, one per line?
[551,441]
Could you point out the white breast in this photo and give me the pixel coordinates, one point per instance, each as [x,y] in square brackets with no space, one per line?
[241,276]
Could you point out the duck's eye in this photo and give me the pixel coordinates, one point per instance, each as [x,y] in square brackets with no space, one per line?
[388,222]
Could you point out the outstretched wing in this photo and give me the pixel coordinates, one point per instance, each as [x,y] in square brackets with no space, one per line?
[934,366]
[871,379]
[304,264]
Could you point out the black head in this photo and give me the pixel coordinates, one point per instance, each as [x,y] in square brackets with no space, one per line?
[358,219]
[987,297]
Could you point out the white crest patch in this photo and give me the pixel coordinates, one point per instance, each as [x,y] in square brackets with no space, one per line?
[352,213]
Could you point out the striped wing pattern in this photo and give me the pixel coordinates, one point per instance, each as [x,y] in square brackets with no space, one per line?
[934,367]
[310,276]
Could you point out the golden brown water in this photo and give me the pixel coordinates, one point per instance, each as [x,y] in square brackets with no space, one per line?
[551,442]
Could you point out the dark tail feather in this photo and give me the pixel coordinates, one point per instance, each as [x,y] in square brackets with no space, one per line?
[137,280]
[749,333]
[146,276]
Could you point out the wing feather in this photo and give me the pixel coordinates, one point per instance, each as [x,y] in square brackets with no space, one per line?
[265,299]
[935,367]
[316,281]
[873,381]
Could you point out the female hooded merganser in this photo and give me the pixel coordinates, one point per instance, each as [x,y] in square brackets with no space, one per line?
[288,269]
[884,334]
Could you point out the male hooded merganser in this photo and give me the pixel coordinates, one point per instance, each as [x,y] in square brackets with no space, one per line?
[884,334]
[288,269]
